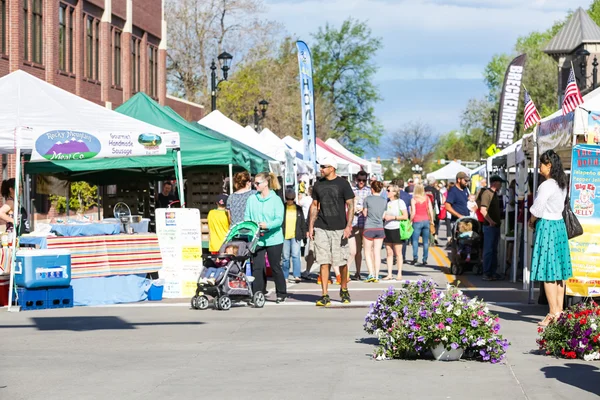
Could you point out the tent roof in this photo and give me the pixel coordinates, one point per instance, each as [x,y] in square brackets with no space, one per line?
[276,148]
[232,130]
[345,167]
[372,168]
[579,29]
[449,171]
[27,101]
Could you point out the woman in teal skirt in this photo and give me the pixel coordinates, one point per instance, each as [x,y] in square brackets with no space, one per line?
[551,261]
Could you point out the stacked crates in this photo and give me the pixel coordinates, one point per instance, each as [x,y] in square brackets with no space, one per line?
[43,279]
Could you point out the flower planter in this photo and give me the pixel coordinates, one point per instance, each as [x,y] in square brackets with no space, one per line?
[441,354]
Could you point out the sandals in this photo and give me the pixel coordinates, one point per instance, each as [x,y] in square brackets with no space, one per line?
[388,278]
[549,318]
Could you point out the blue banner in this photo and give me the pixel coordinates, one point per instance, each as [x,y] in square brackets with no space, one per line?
[308,104]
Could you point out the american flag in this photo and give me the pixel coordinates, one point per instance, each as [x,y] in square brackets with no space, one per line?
[572,95]
[532,116]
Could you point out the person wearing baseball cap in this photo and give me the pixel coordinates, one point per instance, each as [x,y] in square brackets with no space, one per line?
[488,203]
[456,202]
[330,226]
[218,224]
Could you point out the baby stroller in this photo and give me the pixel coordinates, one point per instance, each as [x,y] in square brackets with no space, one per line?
[223,276]
[466,246]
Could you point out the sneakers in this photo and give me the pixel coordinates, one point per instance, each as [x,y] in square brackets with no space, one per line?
[345,296]
[372,279]
[324,301]
[280,299]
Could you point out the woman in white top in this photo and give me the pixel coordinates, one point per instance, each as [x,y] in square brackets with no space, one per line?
[395,212]
[551,261]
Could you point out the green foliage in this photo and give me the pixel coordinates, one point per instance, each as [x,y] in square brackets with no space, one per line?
[83,197]
[344,71]
[493,75]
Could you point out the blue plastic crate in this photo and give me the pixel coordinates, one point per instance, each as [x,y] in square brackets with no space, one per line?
[31,299]
[60,297]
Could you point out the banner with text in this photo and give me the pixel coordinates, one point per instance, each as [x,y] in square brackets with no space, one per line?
[585,202]
[65,144]
[556,133]
[308,104]
[180,238]
[509,102]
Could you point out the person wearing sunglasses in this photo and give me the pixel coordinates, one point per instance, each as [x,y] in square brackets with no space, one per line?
[457,201]
[330,226]
[267,210]
[361,192]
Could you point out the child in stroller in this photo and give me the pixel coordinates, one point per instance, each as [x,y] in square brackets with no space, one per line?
[223,275]
[466,246]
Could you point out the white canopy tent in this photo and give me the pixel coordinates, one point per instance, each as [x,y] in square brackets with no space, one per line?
[274,146]
[372,168]
[345,167]
[220,123]
[448,172]
[30,106]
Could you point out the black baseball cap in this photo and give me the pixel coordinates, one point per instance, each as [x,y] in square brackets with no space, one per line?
[496,178]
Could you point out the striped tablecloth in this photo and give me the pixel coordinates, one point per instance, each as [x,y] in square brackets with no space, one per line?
[93,256]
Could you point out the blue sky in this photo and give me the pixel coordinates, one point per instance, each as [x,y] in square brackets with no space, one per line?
[434,51]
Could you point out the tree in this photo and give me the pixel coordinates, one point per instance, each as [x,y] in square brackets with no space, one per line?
[274,78]
[83,197]
[344,71]
[414,143]
[198,31]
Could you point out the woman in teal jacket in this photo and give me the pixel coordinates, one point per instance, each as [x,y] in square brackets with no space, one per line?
[266,209]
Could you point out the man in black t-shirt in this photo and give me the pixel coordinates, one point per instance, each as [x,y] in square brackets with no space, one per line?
[330,226]
[165,198]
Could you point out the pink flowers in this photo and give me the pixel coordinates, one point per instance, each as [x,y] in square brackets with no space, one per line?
[441,325]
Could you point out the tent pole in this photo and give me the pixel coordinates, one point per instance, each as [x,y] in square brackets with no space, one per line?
[230,179]
[180,179]
[17,219]
[536,166]
[516,242]
[98,188]
[68,208]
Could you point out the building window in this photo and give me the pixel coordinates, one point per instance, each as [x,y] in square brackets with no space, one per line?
[152,71]
[26,30]
[117,58]
[135,64]
[3,27]
[97,49]
[37,30]
[70,37]
[89,47]
[62,37]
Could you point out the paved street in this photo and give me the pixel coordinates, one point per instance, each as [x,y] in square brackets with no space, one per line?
[288,351]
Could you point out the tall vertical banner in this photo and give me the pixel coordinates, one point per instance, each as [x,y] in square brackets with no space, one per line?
[585,203]
[509,102]
[308,104]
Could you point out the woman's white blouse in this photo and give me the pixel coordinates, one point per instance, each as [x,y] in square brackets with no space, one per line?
[549,202]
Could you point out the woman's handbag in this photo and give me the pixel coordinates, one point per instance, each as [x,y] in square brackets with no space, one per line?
[406,229]
[572,224]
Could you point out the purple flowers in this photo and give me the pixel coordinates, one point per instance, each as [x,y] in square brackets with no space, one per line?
[449,320]
[474,323]
[454,346]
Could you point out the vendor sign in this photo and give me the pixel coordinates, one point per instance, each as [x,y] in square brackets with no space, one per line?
[585,202]
[65,144]
[180,238]
[555,133]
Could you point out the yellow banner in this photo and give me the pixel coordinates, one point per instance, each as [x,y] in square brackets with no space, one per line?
[492,150]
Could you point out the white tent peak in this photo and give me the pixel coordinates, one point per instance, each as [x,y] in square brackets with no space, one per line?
[29,102]
[449,171]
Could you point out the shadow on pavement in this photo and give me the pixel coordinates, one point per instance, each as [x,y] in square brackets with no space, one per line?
[582,376]
[371,341]
[82,324]
[518,316]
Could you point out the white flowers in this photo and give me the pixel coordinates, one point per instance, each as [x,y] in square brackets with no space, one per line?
[448,328]
[594,327]
[450,307]
[591,356]
[457,312]
[480,342]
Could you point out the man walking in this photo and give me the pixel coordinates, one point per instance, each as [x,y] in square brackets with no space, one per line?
[361,192]
[489,206]
[456,202]
[330,226]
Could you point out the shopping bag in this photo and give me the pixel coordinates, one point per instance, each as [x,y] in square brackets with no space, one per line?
[406,229]
[572,224]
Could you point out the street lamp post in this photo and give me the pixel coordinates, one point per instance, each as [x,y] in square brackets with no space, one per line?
[583,54]
[225,63]
[595,73]
[263,105]
[417,170]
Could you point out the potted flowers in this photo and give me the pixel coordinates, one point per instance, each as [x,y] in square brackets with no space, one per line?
[418,318]
[575,334]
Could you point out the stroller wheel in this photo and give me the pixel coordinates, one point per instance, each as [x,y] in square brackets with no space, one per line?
[454,270]
[194,302]
[216,303]
[259,300]
[202,303]
[224,303]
